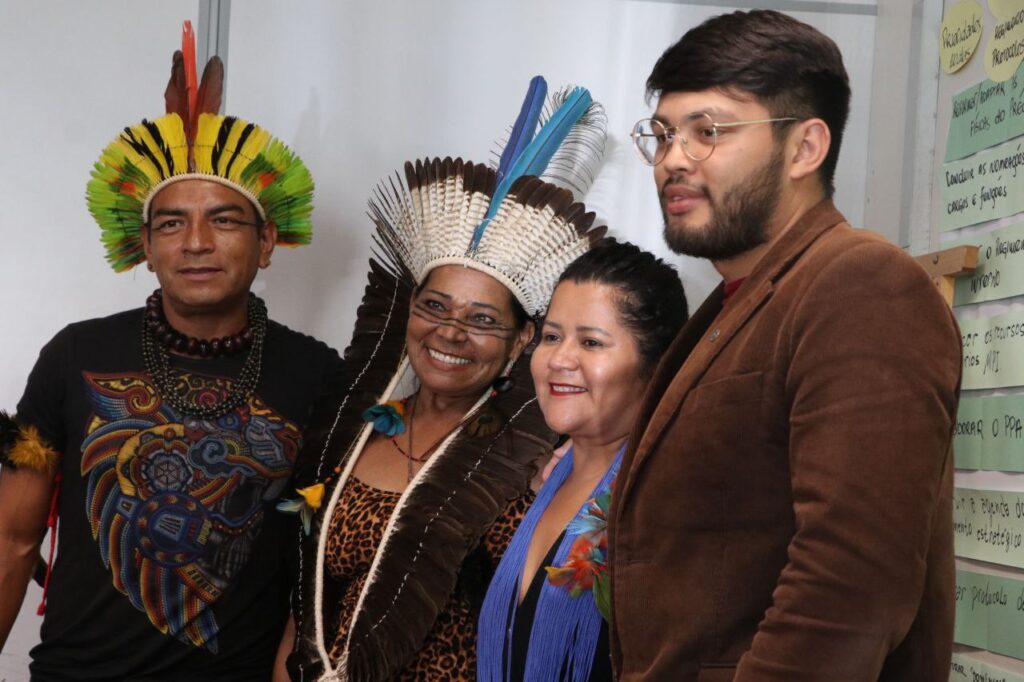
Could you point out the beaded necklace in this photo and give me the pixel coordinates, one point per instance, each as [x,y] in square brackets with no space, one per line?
[157,360]
[171,339]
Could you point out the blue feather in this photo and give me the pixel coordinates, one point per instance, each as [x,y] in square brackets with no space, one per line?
[525,125]
[534,158]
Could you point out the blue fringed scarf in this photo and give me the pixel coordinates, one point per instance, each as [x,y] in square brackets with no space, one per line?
[565,629]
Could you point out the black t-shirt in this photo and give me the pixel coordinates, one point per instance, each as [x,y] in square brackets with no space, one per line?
[171,560]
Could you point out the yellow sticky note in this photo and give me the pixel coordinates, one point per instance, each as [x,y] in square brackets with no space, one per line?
[1004,9]
[1005,49]
[960,34]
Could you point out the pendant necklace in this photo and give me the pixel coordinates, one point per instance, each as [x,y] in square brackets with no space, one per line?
[409,455]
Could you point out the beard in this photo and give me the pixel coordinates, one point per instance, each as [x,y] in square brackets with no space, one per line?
[738,223]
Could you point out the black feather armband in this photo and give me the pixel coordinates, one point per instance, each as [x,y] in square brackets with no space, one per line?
[22,447]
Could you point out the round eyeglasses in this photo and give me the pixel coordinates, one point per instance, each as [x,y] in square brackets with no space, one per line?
[698,134]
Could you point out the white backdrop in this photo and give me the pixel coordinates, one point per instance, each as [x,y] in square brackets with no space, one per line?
[71,75]
[360,88]
[356,88]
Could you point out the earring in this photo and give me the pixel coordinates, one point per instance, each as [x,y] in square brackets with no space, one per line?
[504,382]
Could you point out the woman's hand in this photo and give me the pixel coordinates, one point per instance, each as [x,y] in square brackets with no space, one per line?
[556,457]
[283,649]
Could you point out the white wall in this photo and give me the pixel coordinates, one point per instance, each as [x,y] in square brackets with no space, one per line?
[72,74]
[361,87]
[357,88]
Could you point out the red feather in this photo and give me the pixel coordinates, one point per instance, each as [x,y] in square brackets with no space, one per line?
[188,51]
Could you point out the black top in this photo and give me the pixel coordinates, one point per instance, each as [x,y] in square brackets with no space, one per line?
[170,561]
[600,670]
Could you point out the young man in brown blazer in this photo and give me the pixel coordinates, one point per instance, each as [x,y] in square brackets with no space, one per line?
[784,508]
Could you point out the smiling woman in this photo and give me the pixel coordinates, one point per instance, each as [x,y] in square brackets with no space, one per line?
[614,312]
[461,335]
[422,456]
[422,496]
[463,332]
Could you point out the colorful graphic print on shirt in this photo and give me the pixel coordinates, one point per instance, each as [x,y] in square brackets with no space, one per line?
[175,503]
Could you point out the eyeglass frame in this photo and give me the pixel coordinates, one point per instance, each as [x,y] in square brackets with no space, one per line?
[673,133]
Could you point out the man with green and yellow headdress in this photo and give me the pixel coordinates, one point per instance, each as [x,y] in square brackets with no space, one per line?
[162,437]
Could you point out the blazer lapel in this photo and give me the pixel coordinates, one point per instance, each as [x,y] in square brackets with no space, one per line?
[708,332]
[668,368]
[714,335]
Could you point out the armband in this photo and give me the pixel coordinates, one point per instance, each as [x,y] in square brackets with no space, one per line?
[23,447]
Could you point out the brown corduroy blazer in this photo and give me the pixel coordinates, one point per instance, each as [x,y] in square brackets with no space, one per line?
[784,508]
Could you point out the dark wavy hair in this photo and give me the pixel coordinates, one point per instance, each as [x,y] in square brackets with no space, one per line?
[651,303]
[791,68]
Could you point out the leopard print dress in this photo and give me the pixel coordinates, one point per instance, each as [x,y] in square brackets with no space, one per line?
[356,530]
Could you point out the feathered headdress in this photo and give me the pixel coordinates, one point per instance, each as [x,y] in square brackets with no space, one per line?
[192,141]
[519,222]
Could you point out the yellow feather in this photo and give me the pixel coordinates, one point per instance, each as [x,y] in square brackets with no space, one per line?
[230,144]
[206,137]
[173,131]
[32,452]
[256,142]
[314,495]
[116,159]
[143,134]
[122,151]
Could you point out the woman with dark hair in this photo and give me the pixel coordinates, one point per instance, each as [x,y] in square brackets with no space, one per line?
[416,467]
[613,313]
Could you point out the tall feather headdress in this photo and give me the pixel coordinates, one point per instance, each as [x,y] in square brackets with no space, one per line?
[522,230]
[520,222]
[193,141]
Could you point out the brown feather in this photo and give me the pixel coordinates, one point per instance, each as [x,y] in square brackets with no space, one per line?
[597,234]
[421,173]
[411,179]
[488,470]
[211,90]
[176,94]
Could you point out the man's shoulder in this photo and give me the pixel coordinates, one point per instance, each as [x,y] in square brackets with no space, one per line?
[843,238]
[844,247]
[111,326]
[855,270]
[299,340]
[290,346]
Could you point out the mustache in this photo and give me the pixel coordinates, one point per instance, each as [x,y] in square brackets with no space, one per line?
[680,180]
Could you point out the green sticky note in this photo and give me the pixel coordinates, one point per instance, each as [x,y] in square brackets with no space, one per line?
[990,613]
[988,525]
[984,115]
[969,435]
[1000,271]
[989,433]
[993,351]
[986,186]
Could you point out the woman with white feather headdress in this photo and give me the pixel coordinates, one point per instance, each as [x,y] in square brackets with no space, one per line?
[416,469]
